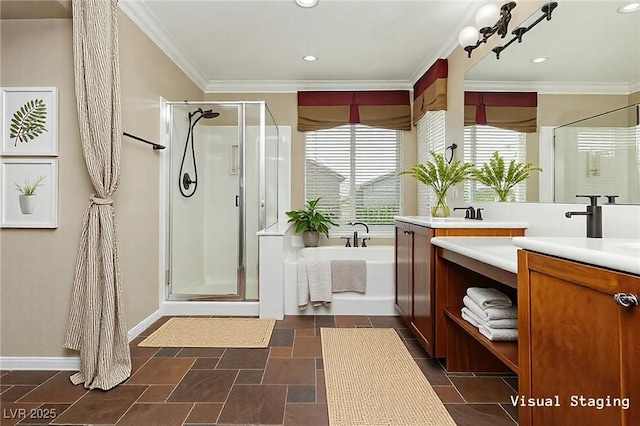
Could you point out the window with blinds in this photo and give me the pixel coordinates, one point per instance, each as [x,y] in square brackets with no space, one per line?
[480,142]
[431,137]
[354,170]
[603,160]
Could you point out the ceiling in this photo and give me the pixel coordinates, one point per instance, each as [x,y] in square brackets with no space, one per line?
[591,49]
[249,45]
[258,45]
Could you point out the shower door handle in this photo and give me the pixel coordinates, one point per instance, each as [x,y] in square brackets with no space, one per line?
[237,201]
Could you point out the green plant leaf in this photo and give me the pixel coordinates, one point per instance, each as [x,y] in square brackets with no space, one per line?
[28,122]
[497,176]
[439,175]
[311,219]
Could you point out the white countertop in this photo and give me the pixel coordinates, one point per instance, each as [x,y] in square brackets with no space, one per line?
[614,253]
[495,251]
[459,222]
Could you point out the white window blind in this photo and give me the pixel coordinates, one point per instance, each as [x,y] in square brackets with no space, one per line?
[480,142]
[431,137]
[603,165]
[354,169]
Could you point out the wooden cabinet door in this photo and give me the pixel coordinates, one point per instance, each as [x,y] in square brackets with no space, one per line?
[423,288]
[583,348]
[404,277]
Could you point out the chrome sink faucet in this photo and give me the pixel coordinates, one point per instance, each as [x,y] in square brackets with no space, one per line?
[355,233]
[594,216]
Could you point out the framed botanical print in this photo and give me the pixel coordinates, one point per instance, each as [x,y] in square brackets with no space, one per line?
[29,192]
[29,121]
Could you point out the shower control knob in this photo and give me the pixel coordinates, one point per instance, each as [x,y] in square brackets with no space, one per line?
[186,181]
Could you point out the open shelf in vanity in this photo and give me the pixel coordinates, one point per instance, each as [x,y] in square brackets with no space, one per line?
[466,349]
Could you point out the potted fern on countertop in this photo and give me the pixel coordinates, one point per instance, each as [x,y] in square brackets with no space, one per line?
[439,175]
[502,178]
[311,223]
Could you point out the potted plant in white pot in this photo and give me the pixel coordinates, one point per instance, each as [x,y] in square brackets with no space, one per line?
[311,223]
[439,175]
[27,197]
[502,179]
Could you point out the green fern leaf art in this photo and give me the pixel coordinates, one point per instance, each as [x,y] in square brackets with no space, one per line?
[28,122]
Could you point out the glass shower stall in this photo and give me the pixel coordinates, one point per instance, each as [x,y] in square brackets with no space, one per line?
[222,190]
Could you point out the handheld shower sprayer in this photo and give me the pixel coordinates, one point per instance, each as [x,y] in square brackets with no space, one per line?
[184,180]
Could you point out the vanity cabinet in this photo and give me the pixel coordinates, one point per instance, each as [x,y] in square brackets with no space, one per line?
[578,348]
[415,281]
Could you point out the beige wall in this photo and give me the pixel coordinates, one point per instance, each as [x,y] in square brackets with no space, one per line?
[37,264]
[284,107]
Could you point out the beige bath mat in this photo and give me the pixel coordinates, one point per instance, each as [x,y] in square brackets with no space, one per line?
[371,379]
[212,333]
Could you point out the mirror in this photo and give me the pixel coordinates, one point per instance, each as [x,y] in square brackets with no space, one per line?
[599,155]
[593,66]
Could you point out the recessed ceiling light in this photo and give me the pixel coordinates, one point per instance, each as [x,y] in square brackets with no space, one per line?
[631,7]
[306,3]
[310,58]
[538,60]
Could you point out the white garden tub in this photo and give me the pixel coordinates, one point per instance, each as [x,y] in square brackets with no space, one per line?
[379,298]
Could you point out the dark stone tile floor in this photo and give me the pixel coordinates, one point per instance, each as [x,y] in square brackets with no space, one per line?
[279,385]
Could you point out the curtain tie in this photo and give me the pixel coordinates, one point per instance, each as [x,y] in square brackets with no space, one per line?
[101,201]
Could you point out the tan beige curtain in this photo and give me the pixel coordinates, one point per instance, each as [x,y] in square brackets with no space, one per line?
[516,111]
[430,91]
[97,326]
[386,109]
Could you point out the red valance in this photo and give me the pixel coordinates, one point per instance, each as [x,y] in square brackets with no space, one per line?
[387,109]
[430,91]
[507,110]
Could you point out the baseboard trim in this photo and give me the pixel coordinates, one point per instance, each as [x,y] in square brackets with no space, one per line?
[143,325]
[71,363]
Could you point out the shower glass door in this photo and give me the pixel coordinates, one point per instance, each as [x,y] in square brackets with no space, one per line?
[207,217]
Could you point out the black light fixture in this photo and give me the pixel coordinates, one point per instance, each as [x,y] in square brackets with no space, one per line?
[491,19]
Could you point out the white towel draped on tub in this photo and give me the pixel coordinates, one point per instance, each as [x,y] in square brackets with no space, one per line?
[348,275]
[489,297]
[303,284]
[314,282]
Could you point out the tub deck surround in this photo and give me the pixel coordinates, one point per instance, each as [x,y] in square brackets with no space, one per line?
[621,254]
[460,222]
[378,298]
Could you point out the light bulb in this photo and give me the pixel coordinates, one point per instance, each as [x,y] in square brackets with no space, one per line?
[468,36]
[487,15]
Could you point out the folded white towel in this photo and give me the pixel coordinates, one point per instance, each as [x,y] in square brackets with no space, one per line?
[494,323]
[319,277]
[303,284]
[469,317]
[487,314]
[348,275]
[499,334]
[488,297]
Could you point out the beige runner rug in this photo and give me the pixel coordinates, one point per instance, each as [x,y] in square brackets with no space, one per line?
[212,333]
[371,379]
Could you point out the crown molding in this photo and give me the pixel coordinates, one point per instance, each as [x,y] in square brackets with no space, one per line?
[292,86]
[140,14]
[448,46]
[553,87]
[634,86]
